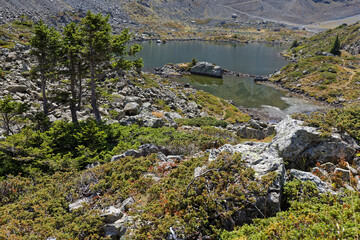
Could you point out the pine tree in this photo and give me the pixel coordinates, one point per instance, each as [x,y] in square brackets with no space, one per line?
[335,49]
[45,47]
[96,36]
[10,111]
[294,44]
[72,58]
[104,51]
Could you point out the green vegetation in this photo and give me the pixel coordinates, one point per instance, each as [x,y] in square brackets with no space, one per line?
[45,48]
[310,216]
[86,50]
[219,108]
[67,147]
[317,73]
[335,49]
[202,121]
[205,207]
[342,119]
[11,112]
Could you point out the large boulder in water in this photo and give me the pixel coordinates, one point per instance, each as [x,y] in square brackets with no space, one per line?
[207,69]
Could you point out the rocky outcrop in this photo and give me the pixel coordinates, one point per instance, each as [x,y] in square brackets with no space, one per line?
[256,130]
[207,69]
[302,146]
[294,146]
[263,160]
[116,219]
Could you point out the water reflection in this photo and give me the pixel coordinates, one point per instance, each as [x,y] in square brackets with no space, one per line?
[256,59]
[243,91]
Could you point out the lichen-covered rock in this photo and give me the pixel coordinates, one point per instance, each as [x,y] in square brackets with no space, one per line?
[302,146]
[322,186]
[131,108]
[112,214]
[256,130]
[79,203]
[263,160]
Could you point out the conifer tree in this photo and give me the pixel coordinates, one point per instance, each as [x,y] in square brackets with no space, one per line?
[45,47]
[335,49]
[9,111]
[72,58]
[104,51]
[96,37]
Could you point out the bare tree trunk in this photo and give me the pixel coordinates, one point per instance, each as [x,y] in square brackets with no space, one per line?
[43,92]
[93,93]
[80,86]
[73,96]
[7,125]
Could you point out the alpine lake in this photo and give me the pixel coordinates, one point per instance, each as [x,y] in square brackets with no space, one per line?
[252,58]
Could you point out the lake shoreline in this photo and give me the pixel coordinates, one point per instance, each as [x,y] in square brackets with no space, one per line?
[277,43]
[266,114]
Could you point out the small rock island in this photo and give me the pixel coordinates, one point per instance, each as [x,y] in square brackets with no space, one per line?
[207,69]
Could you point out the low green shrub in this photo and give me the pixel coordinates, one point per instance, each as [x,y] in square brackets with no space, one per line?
[309,217]
[202,121]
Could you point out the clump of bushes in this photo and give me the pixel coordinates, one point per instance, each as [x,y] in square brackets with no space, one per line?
[310,216]
[343,119]
[69,147]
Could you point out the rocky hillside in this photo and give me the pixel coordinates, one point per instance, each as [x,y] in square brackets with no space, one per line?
[143,11]
[320,74]
[171,162]
[295,11]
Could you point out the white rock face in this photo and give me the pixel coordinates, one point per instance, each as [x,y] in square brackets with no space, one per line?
[302,146]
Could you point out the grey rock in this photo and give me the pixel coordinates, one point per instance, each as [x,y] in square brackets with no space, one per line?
[25,68]
[303,146]
[192,105]
[12,56]
[79,203]
[322,186]
[142,151]
[111,214]
[255,130]
[111,231]
[204,114]
[328,167]
[263,159]
[161,157]
[207,69]
[17,88]
[174,115]
[131,108]
[153,122]
[122,224]
[351,169]
[126,204]
[174,157]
